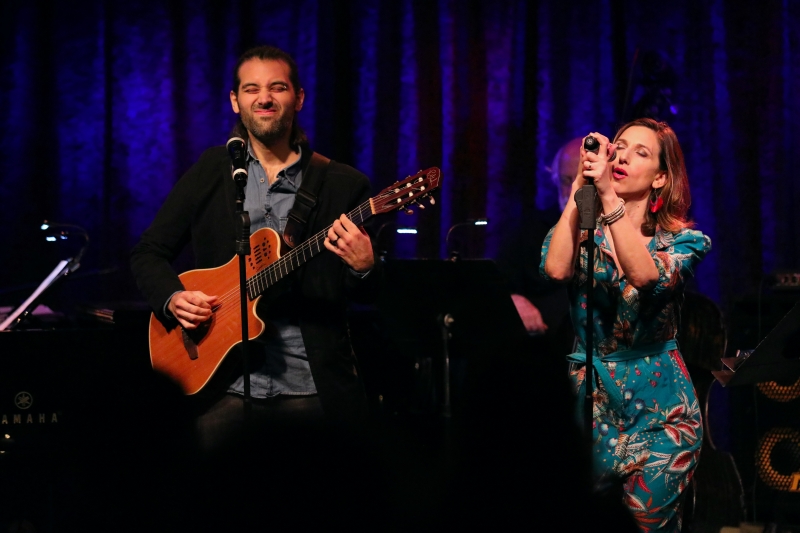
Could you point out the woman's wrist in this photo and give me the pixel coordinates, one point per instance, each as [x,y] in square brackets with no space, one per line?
[609,202]
[575,188]
[609,217]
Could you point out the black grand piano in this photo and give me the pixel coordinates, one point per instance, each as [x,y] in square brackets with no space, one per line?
[88,432]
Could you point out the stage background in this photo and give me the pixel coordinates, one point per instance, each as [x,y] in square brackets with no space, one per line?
[103,105]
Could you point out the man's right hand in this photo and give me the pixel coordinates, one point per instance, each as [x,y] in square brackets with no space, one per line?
[192,308]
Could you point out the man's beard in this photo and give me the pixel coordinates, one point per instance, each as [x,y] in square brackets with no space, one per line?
[271,131]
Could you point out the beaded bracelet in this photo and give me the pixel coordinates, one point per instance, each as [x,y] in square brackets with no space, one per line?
[615,215]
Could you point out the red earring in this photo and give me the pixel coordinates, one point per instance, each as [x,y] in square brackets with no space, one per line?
[655,206]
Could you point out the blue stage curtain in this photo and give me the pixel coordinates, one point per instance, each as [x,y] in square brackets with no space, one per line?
[103,105]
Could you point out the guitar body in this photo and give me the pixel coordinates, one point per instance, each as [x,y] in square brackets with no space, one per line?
[191,358]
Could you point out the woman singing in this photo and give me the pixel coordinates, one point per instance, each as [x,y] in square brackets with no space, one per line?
[647,427]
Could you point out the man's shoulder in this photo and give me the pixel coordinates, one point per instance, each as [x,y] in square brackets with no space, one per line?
[347,170]
[341,170]
[209,161]
[213,154]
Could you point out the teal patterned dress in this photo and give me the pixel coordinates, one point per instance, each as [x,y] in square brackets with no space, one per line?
[647,426]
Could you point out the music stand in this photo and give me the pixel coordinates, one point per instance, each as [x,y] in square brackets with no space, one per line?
[18,315]
[501,379]
[776,358]
[460,310]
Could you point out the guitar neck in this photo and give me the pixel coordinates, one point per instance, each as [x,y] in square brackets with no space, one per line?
[269,276]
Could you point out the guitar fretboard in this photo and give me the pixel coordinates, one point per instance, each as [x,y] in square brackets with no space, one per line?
[278,270]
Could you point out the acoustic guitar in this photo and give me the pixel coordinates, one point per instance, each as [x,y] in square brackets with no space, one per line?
[191,357]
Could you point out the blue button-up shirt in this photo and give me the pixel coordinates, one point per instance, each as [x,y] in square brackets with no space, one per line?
[285,368]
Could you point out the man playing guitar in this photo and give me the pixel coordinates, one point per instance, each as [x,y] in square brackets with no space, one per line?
[302,366]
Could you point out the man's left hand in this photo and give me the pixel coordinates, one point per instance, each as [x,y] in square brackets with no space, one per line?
[351,243]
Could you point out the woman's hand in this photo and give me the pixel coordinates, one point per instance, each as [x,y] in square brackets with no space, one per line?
[565,243]
[597,166]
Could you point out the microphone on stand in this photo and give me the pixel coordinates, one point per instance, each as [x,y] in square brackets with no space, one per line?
[585,196]
[585,199]
[238,152]
[590,144]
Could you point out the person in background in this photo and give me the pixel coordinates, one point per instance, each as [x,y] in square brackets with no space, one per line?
[541,306]
[565,165]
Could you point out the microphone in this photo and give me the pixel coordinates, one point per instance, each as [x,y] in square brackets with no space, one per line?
[237,151]
[590,144]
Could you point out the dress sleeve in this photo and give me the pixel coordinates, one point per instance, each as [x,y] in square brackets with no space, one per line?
[545,249]
[676,258]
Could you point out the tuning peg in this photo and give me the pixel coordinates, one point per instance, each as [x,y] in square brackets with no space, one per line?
[408,211]
[433,201]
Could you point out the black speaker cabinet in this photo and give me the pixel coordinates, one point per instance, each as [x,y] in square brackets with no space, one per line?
[766,414]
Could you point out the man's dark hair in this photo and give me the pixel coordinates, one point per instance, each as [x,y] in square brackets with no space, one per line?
[267,53]
[270,53]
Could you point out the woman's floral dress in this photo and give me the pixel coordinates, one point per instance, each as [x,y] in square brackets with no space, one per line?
[647,427]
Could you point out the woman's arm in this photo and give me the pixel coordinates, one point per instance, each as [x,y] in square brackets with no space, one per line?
[631,253]
[562,250]
[633,256]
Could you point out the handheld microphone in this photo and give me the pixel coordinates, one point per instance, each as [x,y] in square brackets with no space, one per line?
[237,151]
[590,144]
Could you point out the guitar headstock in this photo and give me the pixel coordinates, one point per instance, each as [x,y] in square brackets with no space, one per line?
[408,191]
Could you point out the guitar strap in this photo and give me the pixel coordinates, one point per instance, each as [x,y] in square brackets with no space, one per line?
[306,199]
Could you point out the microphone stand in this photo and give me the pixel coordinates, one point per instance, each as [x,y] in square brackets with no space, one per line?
[586,200]
[243,250]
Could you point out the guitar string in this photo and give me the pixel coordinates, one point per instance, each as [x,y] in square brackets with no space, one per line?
[258,278]
[273,270]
